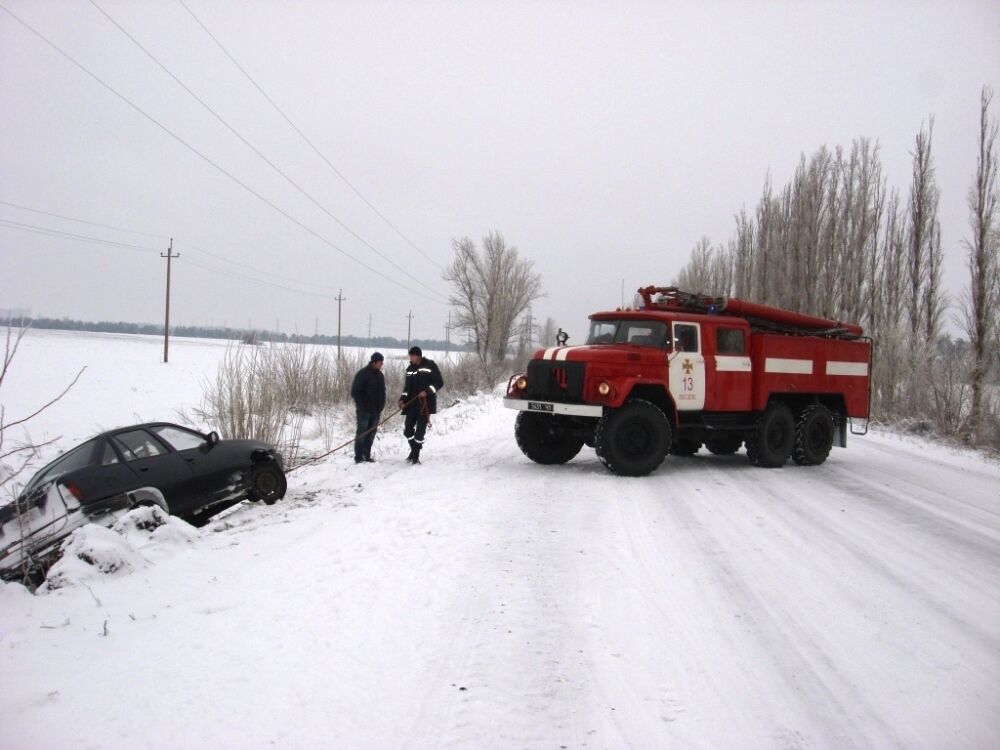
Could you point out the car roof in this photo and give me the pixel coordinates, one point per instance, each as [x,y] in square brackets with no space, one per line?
[143,426]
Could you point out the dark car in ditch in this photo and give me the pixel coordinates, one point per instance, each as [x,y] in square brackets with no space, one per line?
[184,472]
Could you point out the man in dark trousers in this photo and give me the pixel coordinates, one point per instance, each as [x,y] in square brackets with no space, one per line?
[419,400]
[368,392]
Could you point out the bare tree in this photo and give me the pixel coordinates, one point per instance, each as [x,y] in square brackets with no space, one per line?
[923,264]
[547,335]
[980,315]
[491,291]
[17,457]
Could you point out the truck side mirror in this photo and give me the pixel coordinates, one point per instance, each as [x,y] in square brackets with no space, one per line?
[213,438]
[562,337]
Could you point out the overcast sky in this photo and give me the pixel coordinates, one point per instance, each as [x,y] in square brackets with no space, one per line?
[602,139]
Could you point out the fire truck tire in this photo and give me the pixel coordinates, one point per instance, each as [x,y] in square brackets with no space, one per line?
[540,438]
[723,446]
[770,444]
[684,447]
[633,440]
[813,436]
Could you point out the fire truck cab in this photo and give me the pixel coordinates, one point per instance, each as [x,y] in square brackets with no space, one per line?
[689,370]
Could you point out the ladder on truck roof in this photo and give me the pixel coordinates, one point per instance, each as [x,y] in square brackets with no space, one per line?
[761,317]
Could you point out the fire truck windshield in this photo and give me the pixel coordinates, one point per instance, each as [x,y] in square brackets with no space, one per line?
[640,332]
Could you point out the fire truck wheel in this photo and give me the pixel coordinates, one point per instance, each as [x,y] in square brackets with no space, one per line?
[770,443]
[633,440]
[723,446]
[813,436]
[540,438]
[684,447]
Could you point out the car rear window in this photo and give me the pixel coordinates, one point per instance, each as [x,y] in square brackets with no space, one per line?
[137,444]
[75,459]
[180,438]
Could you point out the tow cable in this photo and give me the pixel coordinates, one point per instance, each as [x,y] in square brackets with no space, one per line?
[423,411]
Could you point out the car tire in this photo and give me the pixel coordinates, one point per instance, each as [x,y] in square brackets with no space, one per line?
[685,447]
[541,438]
[633,440]
[813,436]
[770,443]
[723,446]
[266,482]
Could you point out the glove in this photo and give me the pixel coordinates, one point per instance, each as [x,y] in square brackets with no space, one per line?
[401,404]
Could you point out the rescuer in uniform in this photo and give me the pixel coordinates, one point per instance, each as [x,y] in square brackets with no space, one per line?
[419,400]
[368,392]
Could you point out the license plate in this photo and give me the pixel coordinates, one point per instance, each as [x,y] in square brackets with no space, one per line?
[539,406]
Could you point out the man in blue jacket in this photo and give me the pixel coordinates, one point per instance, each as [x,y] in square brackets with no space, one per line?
[368,392]
[419,400]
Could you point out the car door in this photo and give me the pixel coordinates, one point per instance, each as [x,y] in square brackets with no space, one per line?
[215,474]
[105,482]
[156,465]
[687,367]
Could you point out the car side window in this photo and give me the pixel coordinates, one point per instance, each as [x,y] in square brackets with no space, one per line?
[685,337]
[109,456]
[179,438]
[138,444]
[730,341]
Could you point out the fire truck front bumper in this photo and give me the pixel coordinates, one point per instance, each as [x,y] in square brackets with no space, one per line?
[554,407]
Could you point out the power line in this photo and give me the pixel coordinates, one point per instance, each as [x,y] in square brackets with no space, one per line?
[306,139]
[247,143]
[209,161]
[34,229]
[180,242]
[82,221]
[110,243]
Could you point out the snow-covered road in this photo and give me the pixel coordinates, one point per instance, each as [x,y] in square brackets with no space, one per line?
[481,601]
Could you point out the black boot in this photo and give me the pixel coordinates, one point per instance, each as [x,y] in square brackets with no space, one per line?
[416,455]
[414,451]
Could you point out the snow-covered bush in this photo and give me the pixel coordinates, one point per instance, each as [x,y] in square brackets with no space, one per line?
[137,538]
[90,552]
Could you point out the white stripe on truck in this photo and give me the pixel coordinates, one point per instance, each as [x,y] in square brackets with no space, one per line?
[859,369]
[788,366]
[732,364]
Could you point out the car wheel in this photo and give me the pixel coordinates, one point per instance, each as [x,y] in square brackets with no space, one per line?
[723,446]
[544,440]
[685,447]
[770,444]
[633,440]
[813,436]
[266,482]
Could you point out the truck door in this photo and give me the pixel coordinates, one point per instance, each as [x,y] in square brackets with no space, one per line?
[687,367]
[732,379]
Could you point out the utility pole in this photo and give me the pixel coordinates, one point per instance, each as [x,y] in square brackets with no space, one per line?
[166,321]
[531,328]
[340,298]
[409,324]
[316,329]
[369,329]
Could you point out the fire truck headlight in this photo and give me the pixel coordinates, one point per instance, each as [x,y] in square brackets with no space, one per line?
[521,384]
[604,389]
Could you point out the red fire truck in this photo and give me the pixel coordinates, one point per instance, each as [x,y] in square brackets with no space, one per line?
[686,370]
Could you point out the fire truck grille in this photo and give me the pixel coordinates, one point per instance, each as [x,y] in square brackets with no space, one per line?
[555,381]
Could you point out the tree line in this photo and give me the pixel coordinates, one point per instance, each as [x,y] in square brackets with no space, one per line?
[225,333]
[839,242]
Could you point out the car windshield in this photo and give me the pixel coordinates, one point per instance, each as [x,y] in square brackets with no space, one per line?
[180,438]
[640,332]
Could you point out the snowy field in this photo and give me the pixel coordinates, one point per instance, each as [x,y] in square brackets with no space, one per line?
[481,601]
